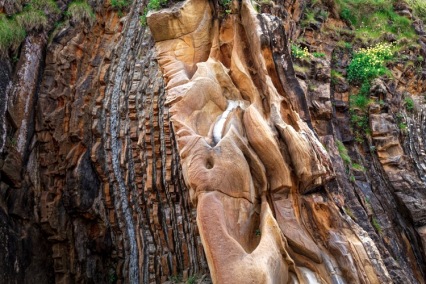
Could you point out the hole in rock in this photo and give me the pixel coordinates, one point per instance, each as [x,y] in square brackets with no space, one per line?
[209,163]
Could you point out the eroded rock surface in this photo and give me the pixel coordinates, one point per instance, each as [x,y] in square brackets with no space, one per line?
[130,156]
[254,167]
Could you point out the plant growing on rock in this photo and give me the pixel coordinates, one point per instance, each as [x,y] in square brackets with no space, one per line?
[11,34]
[318,54]
[120,4]
[34,16]
[153,5]
[358,167]
[369,63]
[409,104]
[81,11]
[419,7]
[32,19]
[366,65]
[299,52]
[375,19]
[343,152]
[376,225]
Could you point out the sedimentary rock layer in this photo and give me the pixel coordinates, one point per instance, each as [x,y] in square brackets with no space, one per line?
[131,154]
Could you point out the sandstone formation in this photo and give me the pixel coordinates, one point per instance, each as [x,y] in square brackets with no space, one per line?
[192,149]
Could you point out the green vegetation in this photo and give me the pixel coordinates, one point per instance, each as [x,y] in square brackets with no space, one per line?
[120,4]
[11,34]
[81,11]
[409,104]
[153,5]
[156,4]
[366,65]
[376,225]
[358,167]
[257,232]
[225,3]
[308,19]
[301,69]
[175,278]
[419,8]
[178,279]
[343,152]
[47,6]
[313,14]
[336,76]
[349,212]
[112,276]
[191,279]
[375,19]
[33,16]
[318,54]
[32,19]
[300,53]
[402,126]
[369,63]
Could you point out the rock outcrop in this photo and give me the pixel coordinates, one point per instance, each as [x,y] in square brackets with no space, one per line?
[194,148]
[254,167]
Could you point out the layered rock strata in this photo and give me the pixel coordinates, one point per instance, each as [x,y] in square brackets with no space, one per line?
[100,182]
[90,173]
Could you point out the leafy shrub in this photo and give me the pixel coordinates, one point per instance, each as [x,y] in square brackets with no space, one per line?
[142,19]
[81,11]
[153,5]
[347,16]
[368,63]
[300,53]
[156,4]
[225,3]
[11,34]
[120,4]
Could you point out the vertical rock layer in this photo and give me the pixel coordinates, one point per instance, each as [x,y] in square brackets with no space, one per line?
[133,157]
[102,189]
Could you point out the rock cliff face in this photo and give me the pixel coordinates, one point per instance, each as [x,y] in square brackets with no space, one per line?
[192,147]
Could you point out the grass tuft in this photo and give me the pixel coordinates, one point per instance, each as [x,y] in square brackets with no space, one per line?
[11,34]
[419,8]
[31,19]
[81,11]
[343,152]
